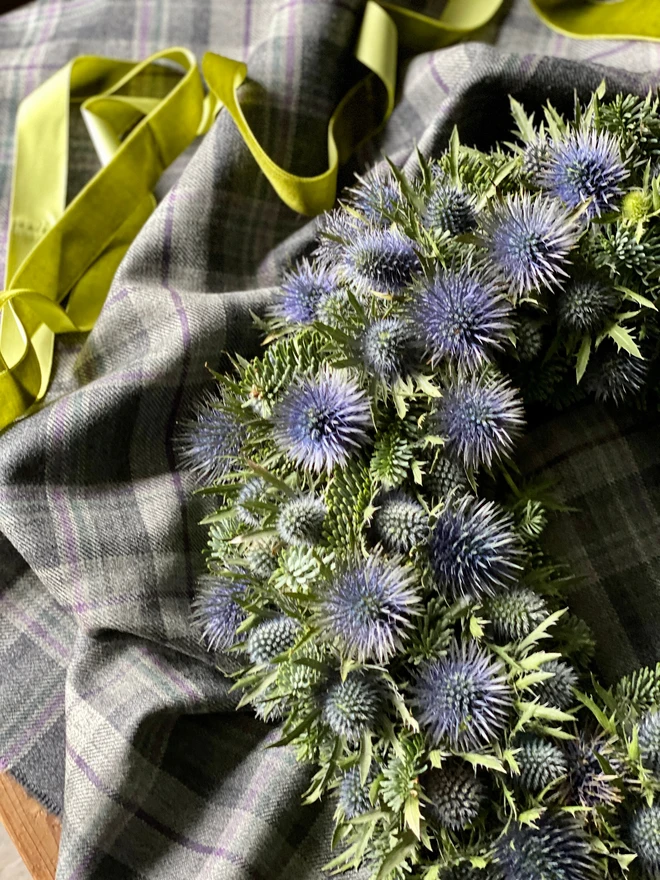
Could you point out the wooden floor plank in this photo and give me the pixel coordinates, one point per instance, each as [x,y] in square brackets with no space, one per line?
[34,831]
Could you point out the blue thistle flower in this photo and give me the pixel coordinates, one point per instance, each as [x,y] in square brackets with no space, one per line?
[456,792]
[216,611]
[587,783]
[389,348]
[645,838]
[515,613]
[380,259]
[585,305]
[649,742]
[336,229]
[321,421]
[449,209]
[367,606]
[300,521]
[480,418]
[528,241]
[252,490]
[353,796]
[558,691]
[447,478]
[613,376]
[272,638]
[301,291]
[401,523]
[585,165]
[474,549]
[461,315]
[209,444]
[554,849]
[352,706]
[541,762]
[463,698]
[377,196]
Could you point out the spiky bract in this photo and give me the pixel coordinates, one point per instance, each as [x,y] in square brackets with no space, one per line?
[352,706]
[272,638]
[321,421]
[474,550]
[401,523]
[449,209]
[541,762]
[353,796]
[645,838]
[377,196]
[367,606]
[515,613]
[615,376]
[301,292]
[585,305]
[389,348]
[216,611]
[591,780]
[558,691]
[480,417]
[463,699]
[300,521]
[528,240]
[209,444]
[446,478]
[535,158]
[461,315]
[456,792]
[554,849]
[649,742]
[380,259]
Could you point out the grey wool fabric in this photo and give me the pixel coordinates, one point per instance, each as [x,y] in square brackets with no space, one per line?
[110,711]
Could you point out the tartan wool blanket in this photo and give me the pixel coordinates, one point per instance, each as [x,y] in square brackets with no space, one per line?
[111,713]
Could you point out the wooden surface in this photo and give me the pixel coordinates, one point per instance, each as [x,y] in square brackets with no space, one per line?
[35,833]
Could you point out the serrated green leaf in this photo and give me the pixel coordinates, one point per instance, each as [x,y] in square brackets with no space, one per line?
[398,856]
[582,358]
[412,814]
[490,762]
[624,340]
[366,752]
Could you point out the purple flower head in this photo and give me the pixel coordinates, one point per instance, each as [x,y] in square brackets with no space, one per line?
[216,611]
[336,229]
[321,421]
[301,292]
[367,607]
[380,259]
[474,549]
[449,209]
[585,305]
[480,417]
[463,699]
[555,848]
[613,376]
[582,166]
[528,241]
[461,315]
[209,445]
[377,196]
[389,348]
[352,706]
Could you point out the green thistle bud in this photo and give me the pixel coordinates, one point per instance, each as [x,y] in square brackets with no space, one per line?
[446,478]
[272,638]
[515,614]
[636,205]
[456,794]
[649,742]
[401,523]
[541,762]
[262,560]
[300,522]
[558,691]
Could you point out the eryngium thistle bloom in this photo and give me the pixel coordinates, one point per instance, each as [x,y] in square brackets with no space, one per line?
[514,614]
[216,611]
[461,316]
[353,796]
[262,560]
[649,742]
[209,444]
[301,292]
[588,782]
[401,523]
[351,707]
[585,305]
[388,348]
[300,521]
[613,376]
[272,638]
[446,478]
[556,849]
[381,260]
[456,793]
[585,166]
[377,196]
[645,838]
[535,157]
[558,690]
[480,418]
[449,209]
[529,339]
[463,698]
[321,421]
[474,550]
[528,242]
[541,762]
[367,606]
[253,490]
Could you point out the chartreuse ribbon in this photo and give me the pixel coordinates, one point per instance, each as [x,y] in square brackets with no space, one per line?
[62,258]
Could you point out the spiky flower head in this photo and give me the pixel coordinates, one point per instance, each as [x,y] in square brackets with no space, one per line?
[515,613]
[262,560]
[321,421]
[446,478]
[377,196]
[336,229]
[555,848]
[649,742]
[456,792]
[353,796]
[585,305]
[463,698]
[461,315]
[400,522]
[645,838]
[352,706]
[272,638]
[380,259]
[480,418]
[209,444]
[300,521]
[253,490]
[217,612]
[591,781]
[529,339]
[613,376]
[558,691]
[528,241]
[389,348]
[301,292]
[541,762]
[585,166]
[367,607]
[474,549]
[449,209]
[535,158]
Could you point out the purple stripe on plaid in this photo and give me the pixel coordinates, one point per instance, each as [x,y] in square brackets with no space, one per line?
[436,76]
[35,627]
[607,53]
[30,733]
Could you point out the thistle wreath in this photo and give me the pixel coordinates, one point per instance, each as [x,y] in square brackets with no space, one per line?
[376,576]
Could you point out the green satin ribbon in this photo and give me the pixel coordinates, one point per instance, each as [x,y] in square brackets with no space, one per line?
[592,20]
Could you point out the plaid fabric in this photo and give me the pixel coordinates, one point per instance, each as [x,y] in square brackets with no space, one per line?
[111,712]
